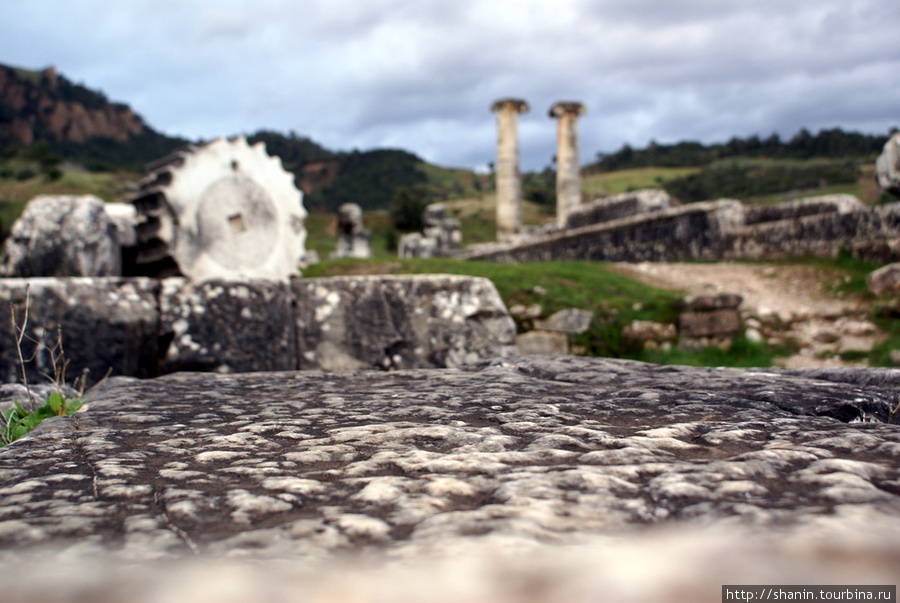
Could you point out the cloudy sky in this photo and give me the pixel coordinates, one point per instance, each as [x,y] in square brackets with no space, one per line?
[421,74]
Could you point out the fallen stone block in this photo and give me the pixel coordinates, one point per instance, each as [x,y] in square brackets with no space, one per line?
[703,303]
[569,320]
[63,235]
[515,453]
[884,280]
[107,325]
[227,326]
[648,330]
[709,324]
[400,322]
[542,342]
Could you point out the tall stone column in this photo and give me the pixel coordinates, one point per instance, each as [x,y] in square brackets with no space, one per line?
[509,188]
[568,171]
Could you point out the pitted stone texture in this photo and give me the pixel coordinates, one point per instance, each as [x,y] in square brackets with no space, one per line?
[63,235]
[618,206]
[531,450]
[106,324]
[382,322]
[227,326]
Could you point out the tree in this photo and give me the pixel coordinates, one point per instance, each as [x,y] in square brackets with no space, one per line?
[407,208]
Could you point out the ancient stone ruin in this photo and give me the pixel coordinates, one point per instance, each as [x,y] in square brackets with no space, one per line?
[354,240]
[145,327]
[441,236]
[520,479]
[714,230]
[63,235]
[509,186]
[220,210]
[887,167]
[568,170]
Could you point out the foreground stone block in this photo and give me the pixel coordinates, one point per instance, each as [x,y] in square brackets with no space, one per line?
[227,326]
[505,456]
[400,322]
[107,326]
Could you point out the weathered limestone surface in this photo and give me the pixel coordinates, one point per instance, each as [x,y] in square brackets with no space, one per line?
[107,324]
[143,327]
[224,209]
[509,186]
[718,230]
[568,171]
[524,455]
[227,326]
[400,322]
[618,206]
[63,235]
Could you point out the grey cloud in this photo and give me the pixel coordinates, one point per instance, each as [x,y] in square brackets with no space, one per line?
[421,75]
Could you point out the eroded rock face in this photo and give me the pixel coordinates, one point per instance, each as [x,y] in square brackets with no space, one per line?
[105,324]
[63,235]
[144,327]
[618,206]
[400,322]
[510,453]
[227,326]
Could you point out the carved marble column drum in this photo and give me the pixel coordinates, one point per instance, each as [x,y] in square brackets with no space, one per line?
[509,188]
[568,171]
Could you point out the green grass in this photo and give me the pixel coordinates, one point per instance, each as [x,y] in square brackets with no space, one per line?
[109,186]
[623,181]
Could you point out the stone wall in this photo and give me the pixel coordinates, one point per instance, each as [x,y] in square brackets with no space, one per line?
[144,327]
[720,230]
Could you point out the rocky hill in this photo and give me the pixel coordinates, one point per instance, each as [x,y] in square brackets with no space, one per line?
[41,105]
[75,122]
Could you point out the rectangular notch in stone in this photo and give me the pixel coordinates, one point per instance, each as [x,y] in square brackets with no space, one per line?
[236,221]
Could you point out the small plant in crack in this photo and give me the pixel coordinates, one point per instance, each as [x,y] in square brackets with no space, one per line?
[19,419]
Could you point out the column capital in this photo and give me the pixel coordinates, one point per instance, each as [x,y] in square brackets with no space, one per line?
[510,104]
[567,108]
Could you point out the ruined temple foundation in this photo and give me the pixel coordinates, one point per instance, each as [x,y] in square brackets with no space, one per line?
[568,174]
[509,189]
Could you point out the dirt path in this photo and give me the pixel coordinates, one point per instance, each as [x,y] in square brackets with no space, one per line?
[826,323]
[792,292]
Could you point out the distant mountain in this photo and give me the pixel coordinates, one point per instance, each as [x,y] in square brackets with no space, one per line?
[82,126]
[78,123]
